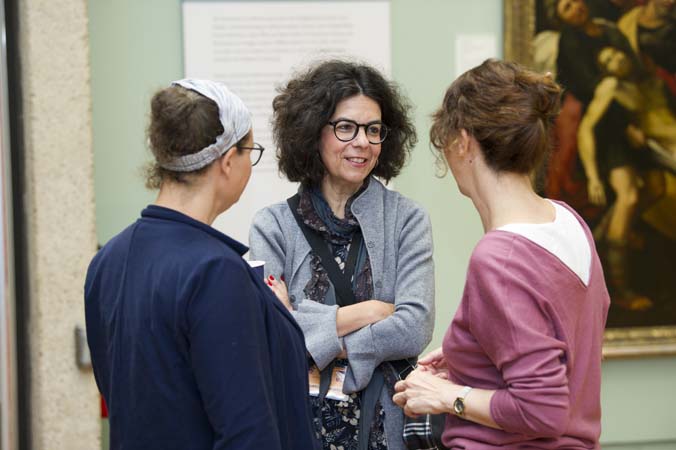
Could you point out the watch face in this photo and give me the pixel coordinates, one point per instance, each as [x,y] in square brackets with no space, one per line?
[459,407]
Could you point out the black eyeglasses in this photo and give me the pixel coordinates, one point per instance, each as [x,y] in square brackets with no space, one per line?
[346,130]
[256,152]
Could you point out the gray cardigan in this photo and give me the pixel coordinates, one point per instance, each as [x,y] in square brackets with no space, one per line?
[398,238]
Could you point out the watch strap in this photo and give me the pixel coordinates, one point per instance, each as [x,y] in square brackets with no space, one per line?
[459,403]
[464,392]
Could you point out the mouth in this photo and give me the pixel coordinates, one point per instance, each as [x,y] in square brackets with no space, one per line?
[356,161]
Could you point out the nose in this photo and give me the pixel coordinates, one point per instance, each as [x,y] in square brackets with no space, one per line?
[361,139]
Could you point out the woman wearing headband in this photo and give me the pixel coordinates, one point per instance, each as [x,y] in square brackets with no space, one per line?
[189,348]
[339,125]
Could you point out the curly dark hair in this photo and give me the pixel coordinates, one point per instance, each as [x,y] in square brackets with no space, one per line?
[509,110]
[305,105]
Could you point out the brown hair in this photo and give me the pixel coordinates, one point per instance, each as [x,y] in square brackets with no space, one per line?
[508,109]
[305,105]
[182,122]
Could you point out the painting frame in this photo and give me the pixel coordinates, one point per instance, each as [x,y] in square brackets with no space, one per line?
[625,342]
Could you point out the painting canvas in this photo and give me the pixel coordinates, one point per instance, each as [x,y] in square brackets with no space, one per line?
[614,158]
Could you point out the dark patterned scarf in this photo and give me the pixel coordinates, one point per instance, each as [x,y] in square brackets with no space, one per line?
[316,214]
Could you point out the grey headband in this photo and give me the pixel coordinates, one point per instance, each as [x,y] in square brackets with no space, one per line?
[234,116]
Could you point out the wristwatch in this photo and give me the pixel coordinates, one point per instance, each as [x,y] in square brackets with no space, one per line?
[459,403]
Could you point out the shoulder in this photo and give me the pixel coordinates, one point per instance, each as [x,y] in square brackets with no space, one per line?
[275,216]
[502,254]
[607,86]
[397,203]
[493,250]
[114,248]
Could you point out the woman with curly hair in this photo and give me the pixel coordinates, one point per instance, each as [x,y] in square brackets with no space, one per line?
[340,128]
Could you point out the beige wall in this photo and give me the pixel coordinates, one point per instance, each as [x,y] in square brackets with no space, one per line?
[59,195]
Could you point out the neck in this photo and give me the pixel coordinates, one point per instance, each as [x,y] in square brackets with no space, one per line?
[198,201]
[504,198]
[337,194]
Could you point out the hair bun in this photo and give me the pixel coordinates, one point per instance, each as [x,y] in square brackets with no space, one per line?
[507,108]
[547,97]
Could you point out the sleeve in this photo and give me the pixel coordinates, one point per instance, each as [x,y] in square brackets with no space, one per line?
[267,241]
[407,332]
[230,357]
[514,325]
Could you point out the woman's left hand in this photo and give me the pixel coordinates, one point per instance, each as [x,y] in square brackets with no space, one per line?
[424,393]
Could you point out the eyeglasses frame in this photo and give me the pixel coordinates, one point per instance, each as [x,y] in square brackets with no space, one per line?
[359,125]
[256,146]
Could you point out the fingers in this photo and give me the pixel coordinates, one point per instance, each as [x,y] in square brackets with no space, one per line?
[271,281]
[278,287]
[597,195]
[408,412]
[400,386]
[432,357]
[598,198]
[399,399]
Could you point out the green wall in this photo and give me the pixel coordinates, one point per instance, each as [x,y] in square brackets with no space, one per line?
[136,48]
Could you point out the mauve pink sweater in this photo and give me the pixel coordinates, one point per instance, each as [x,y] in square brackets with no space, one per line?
[530,329]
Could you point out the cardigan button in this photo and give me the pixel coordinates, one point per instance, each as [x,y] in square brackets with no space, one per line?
[292,298]
[370,244]
[379,284]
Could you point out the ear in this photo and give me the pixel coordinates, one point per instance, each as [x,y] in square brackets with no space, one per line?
[464,143]
[226,162]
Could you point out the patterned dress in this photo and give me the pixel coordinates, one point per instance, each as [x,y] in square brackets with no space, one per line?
[337,422]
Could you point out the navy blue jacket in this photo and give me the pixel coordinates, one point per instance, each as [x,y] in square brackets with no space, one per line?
[189,348]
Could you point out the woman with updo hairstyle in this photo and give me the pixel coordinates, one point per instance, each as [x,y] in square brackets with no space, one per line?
[190,349]
[520,365]
[363,290]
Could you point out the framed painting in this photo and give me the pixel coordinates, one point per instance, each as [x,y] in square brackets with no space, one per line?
[614,158]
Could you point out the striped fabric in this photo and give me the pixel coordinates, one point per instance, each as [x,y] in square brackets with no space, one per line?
[424,432]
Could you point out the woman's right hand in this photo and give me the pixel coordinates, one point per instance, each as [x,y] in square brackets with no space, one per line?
[596,191]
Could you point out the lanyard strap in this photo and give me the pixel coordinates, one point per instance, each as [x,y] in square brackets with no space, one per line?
[342,281]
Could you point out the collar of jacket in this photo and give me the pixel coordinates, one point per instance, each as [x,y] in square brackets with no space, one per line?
[162,213]
[368,209]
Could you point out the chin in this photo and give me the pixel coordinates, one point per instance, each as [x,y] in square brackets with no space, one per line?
[355,178]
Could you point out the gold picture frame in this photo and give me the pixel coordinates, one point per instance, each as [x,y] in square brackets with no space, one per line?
[619,342]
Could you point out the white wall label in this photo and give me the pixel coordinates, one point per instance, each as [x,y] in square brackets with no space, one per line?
[255,46]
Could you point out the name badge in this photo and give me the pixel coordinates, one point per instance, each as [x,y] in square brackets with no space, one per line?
[335,388]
